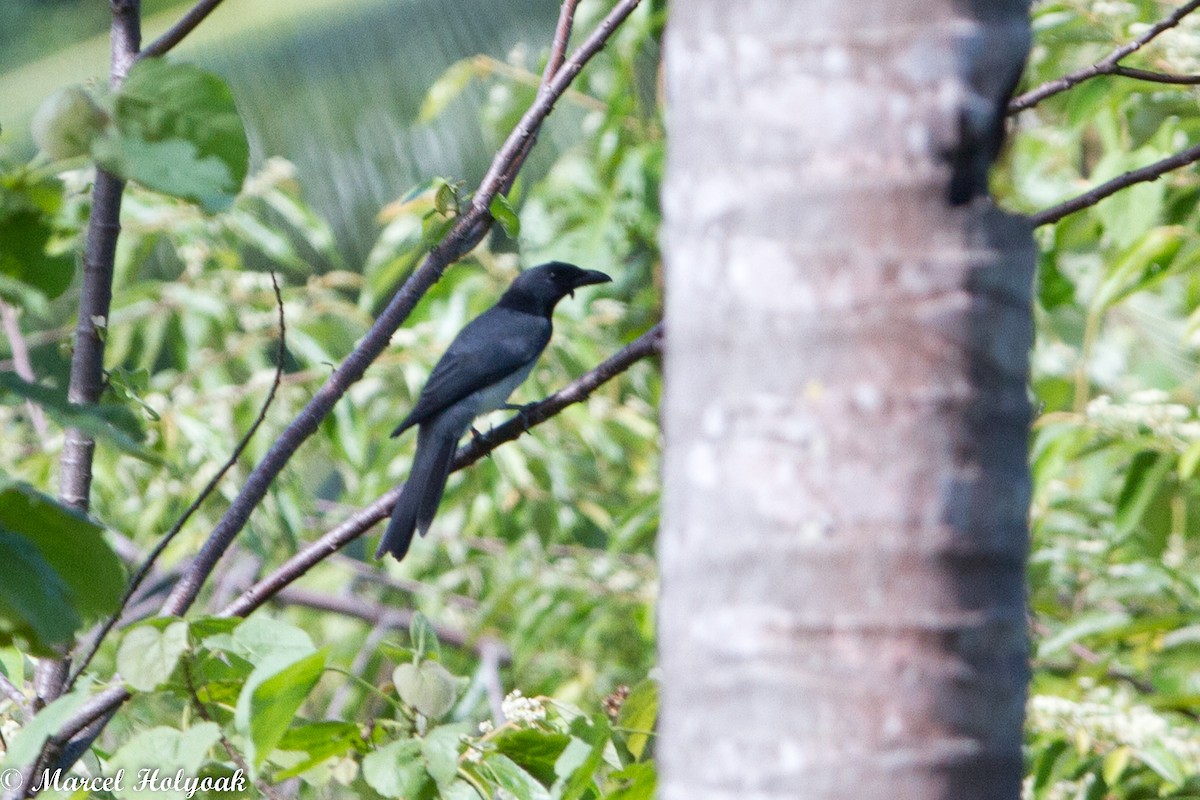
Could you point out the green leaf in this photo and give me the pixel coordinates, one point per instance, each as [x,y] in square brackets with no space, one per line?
[12,664]
[535,751]
[27,744]
[70,543]
[427,687]
[1165,763]
[149,653]
[635,782]
[1148,260]
[259,638]
[449,85]
[1054,289]
[395,770]
[177,131]
[1083,626]
[638,715]
[113,423]
[34,600]
[66,123]
[1114,765]
[270,699]
[423,637]
[576,767]
[460,790]
[321,741]
[1189,461]
[440,748]
[510,777]
[502,211]
[24,238]
[1143,480]
[167,750]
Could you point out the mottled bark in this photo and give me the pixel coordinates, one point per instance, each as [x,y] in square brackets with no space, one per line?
[845,529]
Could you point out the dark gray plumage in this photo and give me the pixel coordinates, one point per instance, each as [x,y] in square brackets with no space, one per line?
[488,359]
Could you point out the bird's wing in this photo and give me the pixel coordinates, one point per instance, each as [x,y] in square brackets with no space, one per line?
[493,346]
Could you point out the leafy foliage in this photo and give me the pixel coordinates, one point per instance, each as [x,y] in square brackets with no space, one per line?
[1116,540]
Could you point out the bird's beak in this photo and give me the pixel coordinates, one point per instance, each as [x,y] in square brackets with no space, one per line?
[589,277]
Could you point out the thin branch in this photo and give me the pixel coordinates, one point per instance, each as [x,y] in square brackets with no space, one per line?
[468,232]
[1157,77]
[510,152]
[646,345]
[22,365]
[186,24]
[558,48]
[1150,172]
[1109,65]
[205,493]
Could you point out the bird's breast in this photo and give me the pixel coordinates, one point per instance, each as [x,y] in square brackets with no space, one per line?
[496,395]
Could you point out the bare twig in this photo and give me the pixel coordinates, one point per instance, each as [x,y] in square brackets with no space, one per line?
[1157,77]
[562,35]
[1150,172]
[209,488]
[512,151]
[468,232]
[176,33]
[1109,65]
[22,365]
[356,525]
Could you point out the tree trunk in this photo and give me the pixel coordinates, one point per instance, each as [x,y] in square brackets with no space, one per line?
[844,534]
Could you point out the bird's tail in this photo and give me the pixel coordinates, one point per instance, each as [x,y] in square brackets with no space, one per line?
[421,493]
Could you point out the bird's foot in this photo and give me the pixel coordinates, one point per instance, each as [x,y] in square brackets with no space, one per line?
[480,438]
[522,412]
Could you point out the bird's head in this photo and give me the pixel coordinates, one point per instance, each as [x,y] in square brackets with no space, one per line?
[539,288]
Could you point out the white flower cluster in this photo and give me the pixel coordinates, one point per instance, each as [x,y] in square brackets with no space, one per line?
[522,710]
[1108,718]
[1148,411]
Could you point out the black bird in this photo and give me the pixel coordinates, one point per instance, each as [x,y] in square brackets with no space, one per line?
[489,358]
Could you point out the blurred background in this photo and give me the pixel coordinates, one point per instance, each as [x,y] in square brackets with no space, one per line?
[333,86]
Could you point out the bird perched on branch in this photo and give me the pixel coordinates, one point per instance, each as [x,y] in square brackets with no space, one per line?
[488,359]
